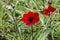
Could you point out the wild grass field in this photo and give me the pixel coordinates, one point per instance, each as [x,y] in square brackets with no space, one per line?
[29,19]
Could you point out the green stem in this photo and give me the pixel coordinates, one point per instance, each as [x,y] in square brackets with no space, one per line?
[17,29]
[32,33]
[43,2]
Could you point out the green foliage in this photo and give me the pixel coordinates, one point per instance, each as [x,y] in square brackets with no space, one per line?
[17,30]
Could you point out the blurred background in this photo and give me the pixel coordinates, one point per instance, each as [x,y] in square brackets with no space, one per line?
[12,28]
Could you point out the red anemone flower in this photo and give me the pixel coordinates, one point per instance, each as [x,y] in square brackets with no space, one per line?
[49,10]
[30,18]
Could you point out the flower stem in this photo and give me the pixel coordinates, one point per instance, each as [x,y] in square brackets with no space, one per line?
[32,33]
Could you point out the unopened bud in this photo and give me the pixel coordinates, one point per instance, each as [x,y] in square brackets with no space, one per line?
[11,21]
[9,7]
[49,1]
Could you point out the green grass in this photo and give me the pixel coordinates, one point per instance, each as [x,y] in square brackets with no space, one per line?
[18,30]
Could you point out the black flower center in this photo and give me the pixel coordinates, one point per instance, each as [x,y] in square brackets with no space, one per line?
[31,19]
[49,12]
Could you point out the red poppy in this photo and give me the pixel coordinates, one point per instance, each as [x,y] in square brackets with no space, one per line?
[30,18]
[49,10]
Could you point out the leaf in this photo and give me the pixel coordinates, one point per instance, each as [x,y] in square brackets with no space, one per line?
[42,19]
[37,34]
[1,17]
[24,27]
[44,34]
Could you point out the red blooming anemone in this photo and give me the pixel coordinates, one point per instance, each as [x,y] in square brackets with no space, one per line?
[49,10]
[30,18]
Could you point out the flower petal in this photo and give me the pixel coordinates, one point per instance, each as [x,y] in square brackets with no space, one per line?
[28,15]
[52,9]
